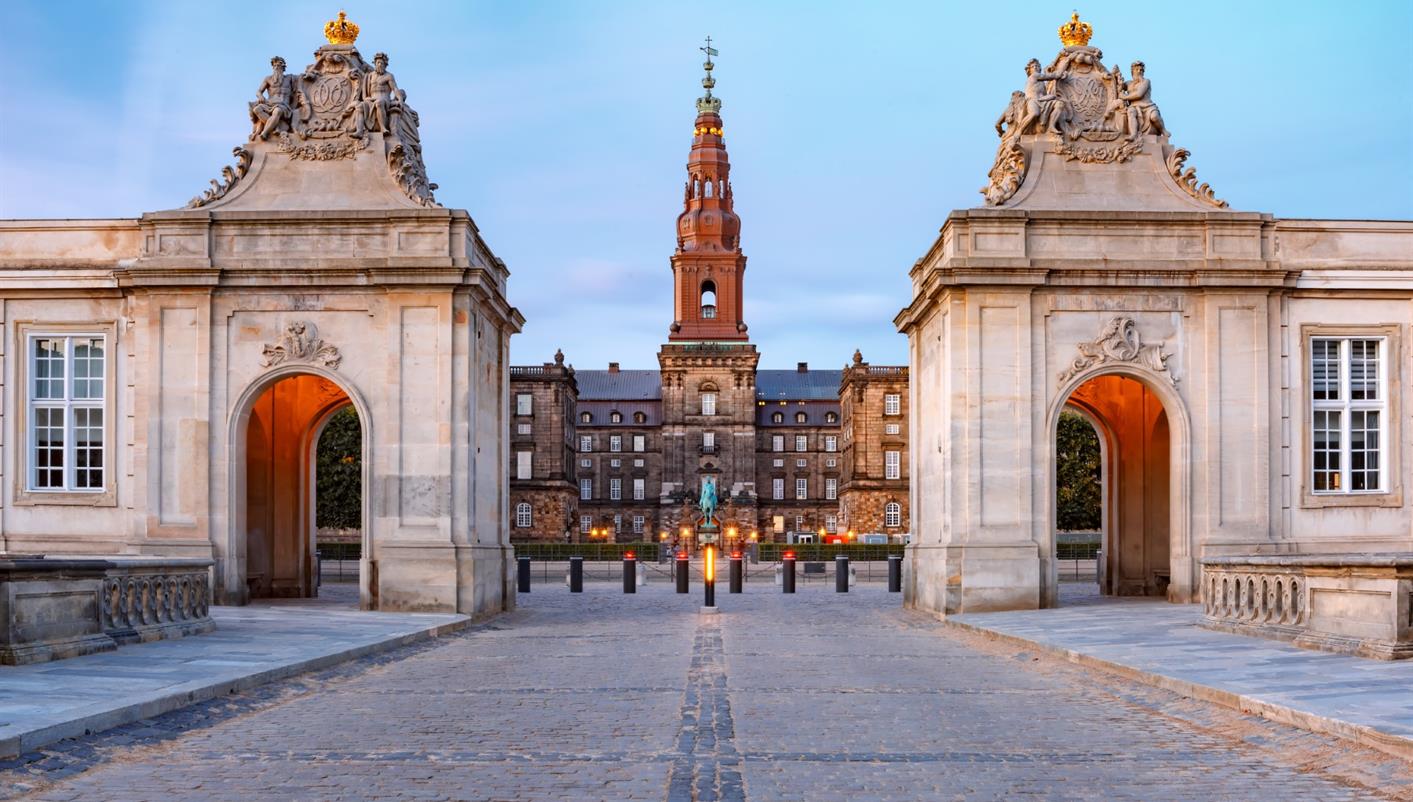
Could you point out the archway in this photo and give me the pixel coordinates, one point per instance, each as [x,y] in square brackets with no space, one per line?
[1143,516]
[275,440]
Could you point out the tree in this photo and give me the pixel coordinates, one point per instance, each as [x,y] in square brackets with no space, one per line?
[1078,493]
[339,472]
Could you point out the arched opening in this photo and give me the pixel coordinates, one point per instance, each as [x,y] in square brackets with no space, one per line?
[708,299]
[275,459]
[1135,505]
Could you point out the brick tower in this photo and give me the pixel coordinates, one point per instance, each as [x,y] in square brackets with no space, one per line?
[708,366]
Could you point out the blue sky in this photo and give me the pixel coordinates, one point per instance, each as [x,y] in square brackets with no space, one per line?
[563,127]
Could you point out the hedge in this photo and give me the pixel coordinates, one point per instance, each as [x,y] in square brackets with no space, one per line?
[592,552]
[811,552]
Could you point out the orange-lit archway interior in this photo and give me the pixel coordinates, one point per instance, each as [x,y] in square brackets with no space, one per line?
[1136,472]
[281,438]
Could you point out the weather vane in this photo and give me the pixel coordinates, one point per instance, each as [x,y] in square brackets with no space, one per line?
[709,50]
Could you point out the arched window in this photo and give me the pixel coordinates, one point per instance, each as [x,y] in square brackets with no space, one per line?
[523,515]
[586,417]
[639,417]
[778,417]
[615,417]
[892,514]
[709,188]
[831,417]
[708,299]
[801,417]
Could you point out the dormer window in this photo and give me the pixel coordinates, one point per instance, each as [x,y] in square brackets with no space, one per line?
[585,417]
[615,417]
[777,418]
[708,300]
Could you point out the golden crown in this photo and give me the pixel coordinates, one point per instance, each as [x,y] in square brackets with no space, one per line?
[1072,33]
[340,31]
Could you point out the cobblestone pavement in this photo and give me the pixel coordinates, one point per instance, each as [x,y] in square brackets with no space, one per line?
[601,696]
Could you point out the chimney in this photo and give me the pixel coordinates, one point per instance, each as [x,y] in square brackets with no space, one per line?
[802,367]
[613,367]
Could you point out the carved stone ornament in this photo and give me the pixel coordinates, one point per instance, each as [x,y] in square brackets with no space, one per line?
[300,343]
[1091,114]
[229,177]
[329,111]
[1119,342]
[1187,179]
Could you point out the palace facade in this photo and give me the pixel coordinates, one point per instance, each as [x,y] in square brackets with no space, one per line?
[795,455]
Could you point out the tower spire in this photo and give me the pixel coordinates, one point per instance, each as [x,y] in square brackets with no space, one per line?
[708,265]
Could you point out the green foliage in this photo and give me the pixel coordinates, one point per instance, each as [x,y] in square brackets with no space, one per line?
[591,552]
[339,474]
[1078,493]
[815,552]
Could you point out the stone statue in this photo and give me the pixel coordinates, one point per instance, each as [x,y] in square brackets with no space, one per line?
[708,501]
[379,98]
[1044,111]
[1133,107]
[273,107]
[1008,124]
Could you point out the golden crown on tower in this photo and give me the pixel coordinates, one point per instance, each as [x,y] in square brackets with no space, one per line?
[340,31]
[1072,33]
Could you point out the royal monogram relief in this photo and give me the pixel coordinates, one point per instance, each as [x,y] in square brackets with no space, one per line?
[300,343]
[1119,342]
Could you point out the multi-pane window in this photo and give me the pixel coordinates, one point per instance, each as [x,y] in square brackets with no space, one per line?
[615,443]
[586,489]
[640,443]
[831,417]
[777,463]
[891,428]
[586,443]
[892,514]
[777,442]
[708,441]
[708,403]
[892,404]
[831,442]
[585,417]
[831,524]
[777,488]
[637,524]
[615,463]
[892,465]
[800,463]
[66,431]
[524,403]
[831,488]
[831,463]
[615,489]
[523,515]
[802,489]
[799,523]
[615,417]
[1348,418]
[586,463]
[778,417]
[639,490]
[801,417]
[522,464]
[802,442]
[523,428]
[637,463]
[617,524]
[586,523]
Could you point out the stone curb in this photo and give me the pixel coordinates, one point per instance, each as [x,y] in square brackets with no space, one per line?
[1390,744]
[177,697]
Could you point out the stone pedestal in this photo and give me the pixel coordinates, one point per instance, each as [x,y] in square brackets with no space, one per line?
[50,609]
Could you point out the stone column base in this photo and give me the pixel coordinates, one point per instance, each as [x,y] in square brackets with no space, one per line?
[954,579]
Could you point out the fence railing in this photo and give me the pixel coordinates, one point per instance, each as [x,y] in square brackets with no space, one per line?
[826,552]
[591,552]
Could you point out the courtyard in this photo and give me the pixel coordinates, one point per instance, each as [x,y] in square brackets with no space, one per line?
[606,696]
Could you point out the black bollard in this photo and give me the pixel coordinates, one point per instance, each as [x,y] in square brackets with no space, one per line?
[681,570]
[630,572]
[841,573]
[576,574]
[522,566]
[709,583]
[738,572]
[787,573]
[895,573]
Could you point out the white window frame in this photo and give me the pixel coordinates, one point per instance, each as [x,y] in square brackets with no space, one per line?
[586,524]
[1346,407]
[638,522]
[831,463]
[615,488]
[586,463]
[831,488]
[524,515]
[640,488]
[831,524]
[615,463]
[524,404]
[27,491]
[892,404]
[802,488]
[640,443]
[617,523]
[708,403]
[777,443]
[709,441]
[637,463]
[777,463]
[586,444]
[802,442]
[586,489]
[831,442]
[892,428]
[892,465]
[893,514]
[524,464]
[777,488]
[615,443]
[524,428]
